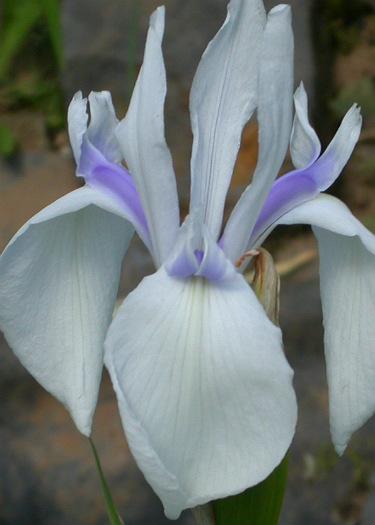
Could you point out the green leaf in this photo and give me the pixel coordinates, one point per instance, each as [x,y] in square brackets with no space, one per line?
[51,11]
[113,515]
[259,505]
[8,142]
[21,17]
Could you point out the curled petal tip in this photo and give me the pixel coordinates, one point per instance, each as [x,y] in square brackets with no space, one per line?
[105,94]
[358,111]
[78,95]
[300,91]
[340,449]
[354,117]
[279,9]
[157,21]
[83,425]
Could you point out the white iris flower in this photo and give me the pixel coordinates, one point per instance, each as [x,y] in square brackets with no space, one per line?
[204,389]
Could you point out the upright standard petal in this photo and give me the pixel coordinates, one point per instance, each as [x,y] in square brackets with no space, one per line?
[347,282]
[77,123]
[304,143]
[223,98]
[275,120]
[204,389]
[304,184]
[332,162]
[58,281]
[103,122]
[101,129]
[142,141]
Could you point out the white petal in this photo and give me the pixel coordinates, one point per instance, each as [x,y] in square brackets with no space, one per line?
[340,148]
[275,120]
[103,122]
[223,98]
[204,389]
[330,213]
[304,143]
[58,281]
[183,261]
[142,142]
[196,253]
[347,282]
[77,123]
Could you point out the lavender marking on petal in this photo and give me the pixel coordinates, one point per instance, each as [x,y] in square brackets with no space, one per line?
[286,192]
[289,191]
[116,182]
[199,254]
[182,267]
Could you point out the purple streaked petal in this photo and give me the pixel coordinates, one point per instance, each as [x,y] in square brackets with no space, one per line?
[103,122]
[189,259]
[183,265]
[302,185]
[339,149]
[116,182]
[215,266]
[183,261]
[286,193]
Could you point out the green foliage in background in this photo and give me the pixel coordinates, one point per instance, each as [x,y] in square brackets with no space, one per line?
[342,21]
[19,19]
[8,143]
[336,26]
[31,57]
[362,92]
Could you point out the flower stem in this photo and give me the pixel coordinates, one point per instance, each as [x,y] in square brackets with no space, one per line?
[113,515]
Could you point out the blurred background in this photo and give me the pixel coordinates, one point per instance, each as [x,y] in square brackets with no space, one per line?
[49,50]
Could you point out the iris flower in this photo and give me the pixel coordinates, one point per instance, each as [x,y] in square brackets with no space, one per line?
[203,386]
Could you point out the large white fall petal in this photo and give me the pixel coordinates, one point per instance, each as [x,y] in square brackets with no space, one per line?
[204,389]
[58,282]
[347,283]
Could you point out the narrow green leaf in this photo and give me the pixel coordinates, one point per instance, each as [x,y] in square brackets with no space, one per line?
[259,505]
[20,20]
[51,11]
[8,142]
[113,515]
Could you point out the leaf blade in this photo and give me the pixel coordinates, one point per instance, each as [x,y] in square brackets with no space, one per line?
[113,515]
